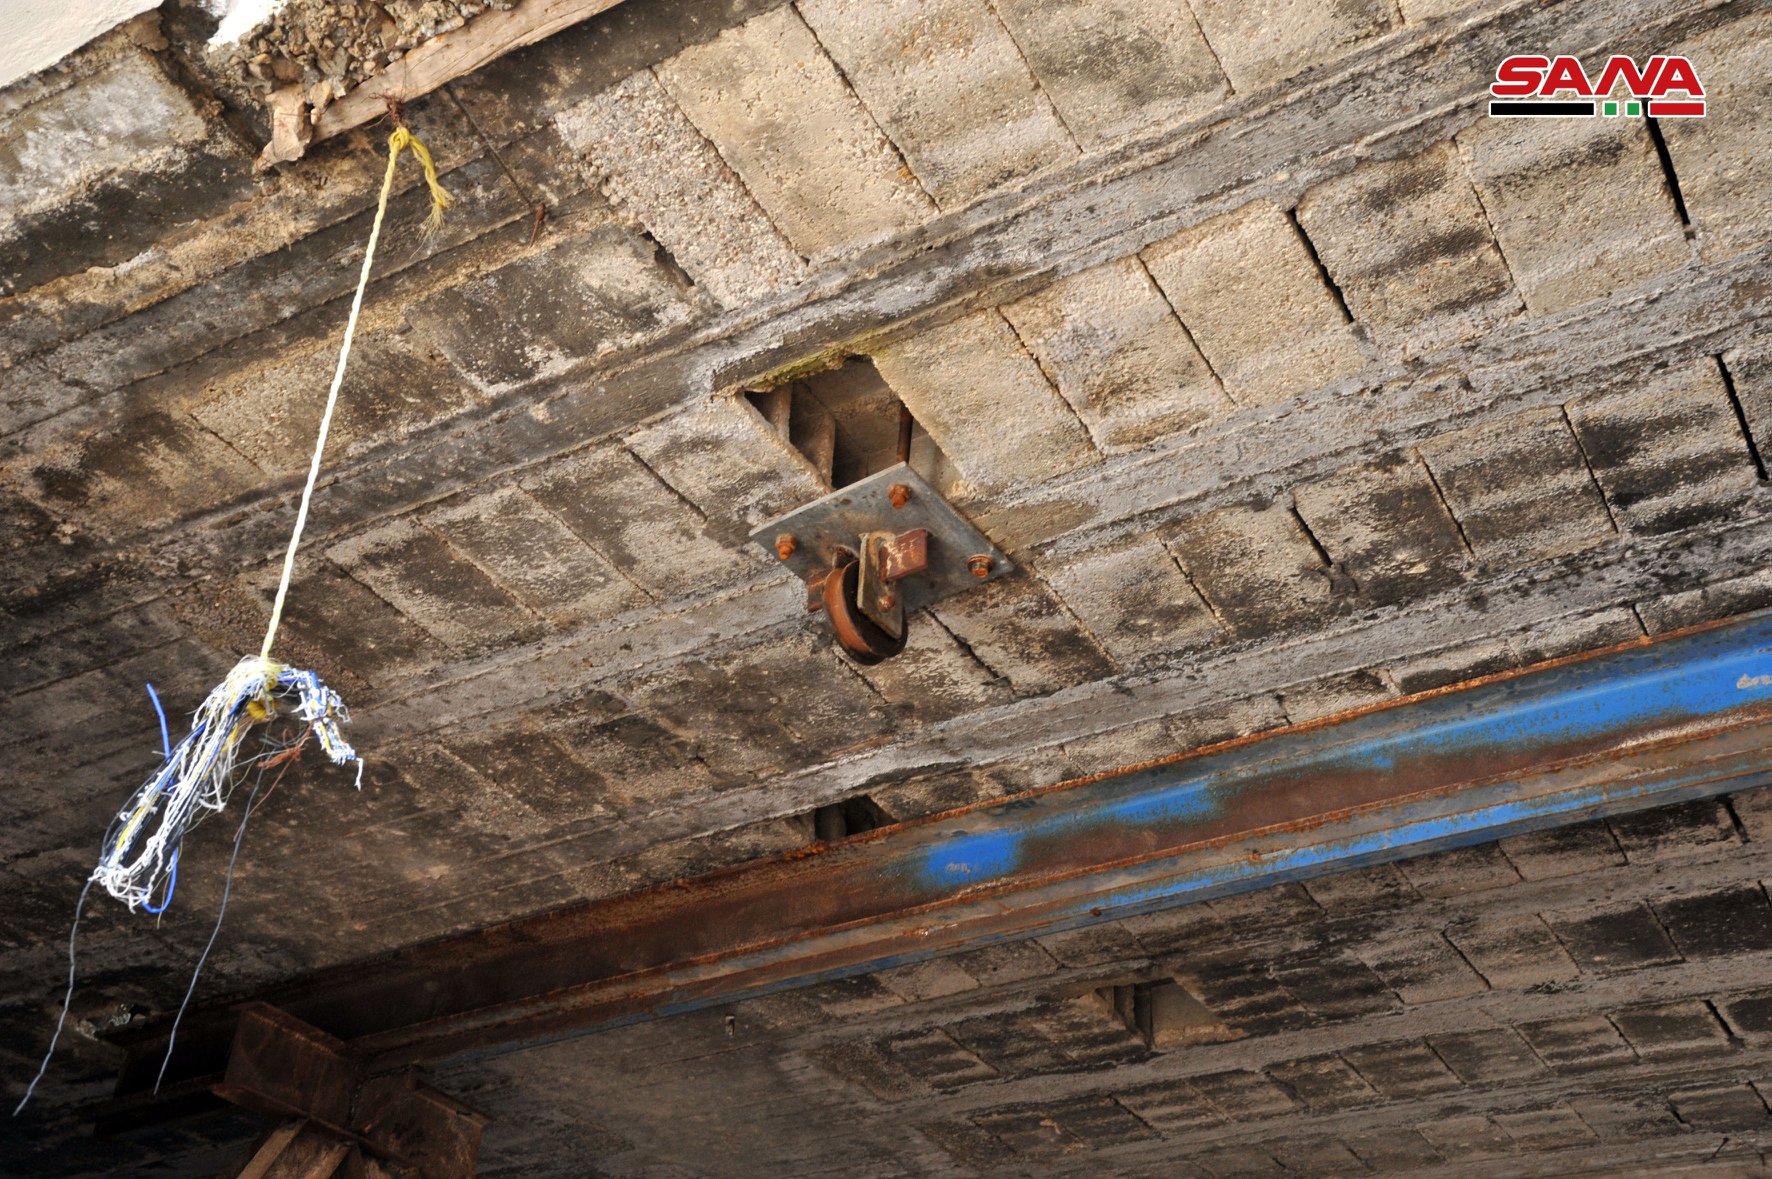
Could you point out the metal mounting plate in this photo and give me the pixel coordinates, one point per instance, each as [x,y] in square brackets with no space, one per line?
[837,522]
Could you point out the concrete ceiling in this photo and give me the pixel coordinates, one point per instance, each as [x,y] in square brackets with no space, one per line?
[1290,382]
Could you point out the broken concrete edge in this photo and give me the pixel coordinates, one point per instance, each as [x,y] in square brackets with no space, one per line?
[298,121]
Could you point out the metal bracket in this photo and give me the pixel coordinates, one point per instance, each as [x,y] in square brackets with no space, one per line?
[890,506]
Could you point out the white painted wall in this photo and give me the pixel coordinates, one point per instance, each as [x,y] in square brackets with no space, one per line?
[38,33]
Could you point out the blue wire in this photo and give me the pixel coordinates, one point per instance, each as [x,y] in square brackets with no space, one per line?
[171,883]
[165,737]
[166,752]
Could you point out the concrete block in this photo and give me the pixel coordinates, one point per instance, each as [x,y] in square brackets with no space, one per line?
[1256,304]
[1316,1156]
[1750,371]
[1333,985]
[1460,871]
[1224,722]
[1555,1127]
[535,557]
[541,773]
[1335,695]
[1575,634]
[1724,174]
[144,472]
[726,460]
[1722,599]
[1672,1031]
[1384,525]
[1098,1121]
[1256,565]
[1668,452]
[1244,997]
[1114,69]
[576,296]
[1087,1032]
[927,980]
[659,169]
[1454,665]
[415,570]
[852,998]
[1093,945]
[1325,1084]
[984,400]
[1021,630]
[1391,1149]
[1583,1043]
[932,1056]
[621,509]
[1563,851]
[269,408]
[1109,341]
[1729,1108]
[655,767]
[1734,920]
[1564,250]
[786,121]
[1238,1162]
[1618,1118]
[1616,939]
[117,120]
[1267,43]
[1433,276]
[1380,888]
[1280,906]
[1402,1070]
[1172,1107]
[1486,1055]
[1672,833]
[1520,487]
[1008,1044]
[1514,953]
[1012,962]
[337,626]
[1125,746]
[1421,967]
[946,82]
[934,678]
[1749,1015]
[1754,809]
[1240,1094]
[731,728]
[1134,598]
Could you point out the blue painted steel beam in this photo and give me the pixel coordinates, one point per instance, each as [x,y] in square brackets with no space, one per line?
[1634,727]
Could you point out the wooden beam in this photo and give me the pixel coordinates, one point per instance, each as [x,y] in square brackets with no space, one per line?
[442,59]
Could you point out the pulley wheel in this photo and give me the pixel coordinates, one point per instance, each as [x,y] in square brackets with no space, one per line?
[863,638]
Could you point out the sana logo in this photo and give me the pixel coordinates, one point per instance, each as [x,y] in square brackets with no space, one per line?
[1535,86]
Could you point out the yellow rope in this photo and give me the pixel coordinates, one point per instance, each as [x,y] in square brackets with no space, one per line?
[440,200]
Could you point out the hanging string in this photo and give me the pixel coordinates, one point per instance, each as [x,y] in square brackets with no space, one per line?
[142,846]
[440,200]
[221,911]
[67,1000]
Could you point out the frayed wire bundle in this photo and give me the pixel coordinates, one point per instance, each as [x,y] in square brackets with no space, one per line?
[141,849]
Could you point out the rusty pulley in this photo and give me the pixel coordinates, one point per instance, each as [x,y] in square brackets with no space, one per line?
[876,552]
[865,640]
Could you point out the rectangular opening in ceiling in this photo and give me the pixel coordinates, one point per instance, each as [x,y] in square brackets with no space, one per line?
[852,816]
[1163,1014]
[849,423]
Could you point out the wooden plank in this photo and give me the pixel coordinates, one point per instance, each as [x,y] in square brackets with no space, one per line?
[487,37]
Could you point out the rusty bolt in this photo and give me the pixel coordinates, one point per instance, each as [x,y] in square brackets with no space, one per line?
[887,601]
[900,494]
[980,565]
[785,546]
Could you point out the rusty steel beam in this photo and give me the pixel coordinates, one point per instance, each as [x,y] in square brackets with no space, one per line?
[1632,727]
